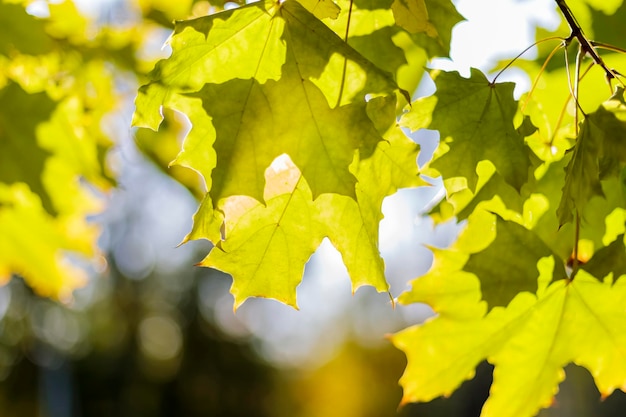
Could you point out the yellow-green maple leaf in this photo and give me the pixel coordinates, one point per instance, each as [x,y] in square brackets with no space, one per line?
[265,247]
[529,342]
[279,72]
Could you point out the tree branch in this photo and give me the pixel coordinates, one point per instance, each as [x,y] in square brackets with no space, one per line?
[585,44]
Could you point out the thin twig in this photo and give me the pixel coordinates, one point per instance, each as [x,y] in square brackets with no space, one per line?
[522,53]
[575,261]
[579,60]
[541,71]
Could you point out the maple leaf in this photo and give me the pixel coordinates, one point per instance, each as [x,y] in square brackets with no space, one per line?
[369,28]
[475,120]
[484,250]
[613,155]
[162,148]
[265,247]
[428,22]
[492,194]
[582,179]
[508,265]
[318,138]
[354,228]
[581,321]
[291,94]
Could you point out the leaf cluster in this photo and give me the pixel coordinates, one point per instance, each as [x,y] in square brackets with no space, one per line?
[300,115]
[297,113]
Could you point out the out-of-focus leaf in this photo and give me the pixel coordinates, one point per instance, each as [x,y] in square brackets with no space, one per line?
[35,245]
[21,32]
[21,157]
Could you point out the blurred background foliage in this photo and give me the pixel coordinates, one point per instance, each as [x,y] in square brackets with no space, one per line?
[149,334]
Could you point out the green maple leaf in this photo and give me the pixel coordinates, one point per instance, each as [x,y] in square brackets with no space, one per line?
[292,93]
[318,138]
[492,193]
[352,226]
[491,189]
[371,30]
[495,187]
[508,265]
[265,247]
[21,157]
[475,120]
[610,116]
[582,178]
[582,321]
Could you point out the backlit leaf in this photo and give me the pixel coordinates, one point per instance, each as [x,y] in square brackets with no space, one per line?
[580,321]
[508,265]
[291,95]
[265,247]
[475,120]
[582,179]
